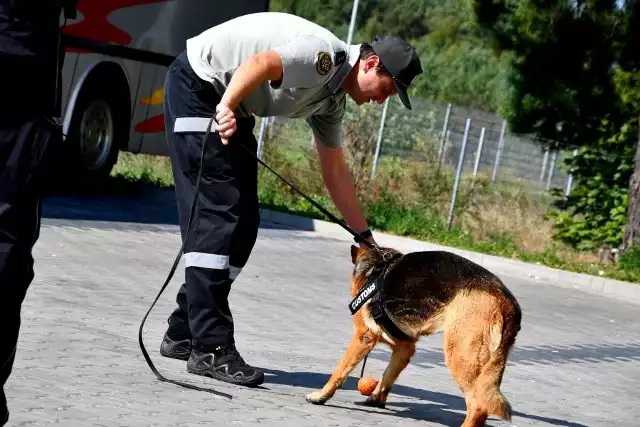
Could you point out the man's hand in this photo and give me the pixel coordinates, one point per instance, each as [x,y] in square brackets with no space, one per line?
[367,235]
[226,122]
[370,240]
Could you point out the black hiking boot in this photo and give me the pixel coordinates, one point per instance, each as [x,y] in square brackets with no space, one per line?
[178,348]
[224,363]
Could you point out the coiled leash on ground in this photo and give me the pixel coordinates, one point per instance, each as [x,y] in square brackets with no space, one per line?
[177,260]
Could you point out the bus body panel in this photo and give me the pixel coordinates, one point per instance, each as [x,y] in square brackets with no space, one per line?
[156,26]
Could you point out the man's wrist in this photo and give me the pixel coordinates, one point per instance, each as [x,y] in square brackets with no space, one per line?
[366,234]
[227,103]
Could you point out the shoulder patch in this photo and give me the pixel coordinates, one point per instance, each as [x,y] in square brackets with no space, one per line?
[324,63]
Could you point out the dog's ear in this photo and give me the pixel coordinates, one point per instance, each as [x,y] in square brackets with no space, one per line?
[354,253]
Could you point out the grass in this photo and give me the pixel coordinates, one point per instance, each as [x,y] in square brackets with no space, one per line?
[408,197]
[154,170]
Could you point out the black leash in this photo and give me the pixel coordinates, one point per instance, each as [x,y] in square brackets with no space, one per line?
[173,269]
[177,260]
[191,214]
[314,203]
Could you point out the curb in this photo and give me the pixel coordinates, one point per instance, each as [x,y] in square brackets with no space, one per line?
[626,291]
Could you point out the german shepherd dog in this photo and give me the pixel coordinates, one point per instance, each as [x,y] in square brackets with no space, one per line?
[428,292]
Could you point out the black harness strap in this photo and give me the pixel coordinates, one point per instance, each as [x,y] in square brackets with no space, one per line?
[380,315]
[373,290]
[371,287]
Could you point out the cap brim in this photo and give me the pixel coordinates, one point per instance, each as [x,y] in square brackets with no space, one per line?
[402,93]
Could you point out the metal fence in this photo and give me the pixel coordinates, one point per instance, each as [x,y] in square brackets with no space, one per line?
[490,148]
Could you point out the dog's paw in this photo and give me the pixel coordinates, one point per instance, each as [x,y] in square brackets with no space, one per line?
[373,402]
[317,398]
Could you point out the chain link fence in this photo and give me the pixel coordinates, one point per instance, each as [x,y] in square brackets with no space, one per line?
[490,148]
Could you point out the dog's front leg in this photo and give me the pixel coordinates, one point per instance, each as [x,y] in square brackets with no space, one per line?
[400,357]
[361,344]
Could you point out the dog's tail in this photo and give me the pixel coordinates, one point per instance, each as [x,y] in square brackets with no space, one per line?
[501,334]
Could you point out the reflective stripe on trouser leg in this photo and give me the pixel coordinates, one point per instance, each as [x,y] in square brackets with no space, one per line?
[219,262]
[204,260]
[193,124]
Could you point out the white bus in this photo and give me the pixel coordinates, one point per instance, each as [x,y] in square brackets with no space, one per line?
[116,58]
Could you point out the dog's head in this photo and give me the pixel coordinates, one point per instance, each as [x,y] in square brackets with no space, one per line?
[365,260]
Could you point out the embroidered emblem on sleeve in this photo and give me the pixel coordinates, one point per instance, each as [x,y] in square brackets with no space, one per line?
[323,63]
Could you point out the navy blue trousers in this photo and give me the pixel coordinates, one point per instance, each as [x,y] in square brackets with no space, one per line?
[225,226]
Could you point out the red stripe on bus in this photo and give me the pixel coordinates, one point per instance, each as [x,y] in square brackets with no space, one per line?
[95,25]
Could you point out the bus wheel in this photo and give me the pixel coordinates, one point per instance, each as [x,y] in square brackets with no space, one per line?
[98,129]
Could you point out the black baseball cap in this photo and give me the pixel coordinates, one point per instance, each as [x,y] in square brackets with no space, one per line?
[400,59]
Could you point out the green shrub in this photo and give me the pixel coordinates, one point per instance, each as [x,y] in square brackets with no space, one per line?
[595,212]
[630,260]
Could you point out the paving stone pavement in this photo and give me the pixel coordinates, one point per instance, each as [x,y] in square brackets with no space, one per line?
[577,360]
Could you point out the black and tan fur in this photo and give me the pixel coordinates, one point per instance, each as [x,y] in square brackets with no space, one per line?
[429,292]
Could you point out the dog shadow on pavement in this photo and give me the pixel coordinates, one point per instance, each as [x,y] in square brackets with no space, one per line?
[437,407]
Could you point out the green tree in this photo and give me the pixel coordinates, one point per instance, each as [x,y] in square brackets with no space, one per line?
[628,83]
[458,62]
[401,17]
[571,86]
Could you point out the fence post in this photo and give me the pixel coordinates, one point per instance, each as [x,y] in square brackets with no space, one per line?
[379,143]
[477,163]
[551,168]
[499,152]
[567,190]
[271,122]
[263,123]
[352,24]
[544,164]
[445,130]
[454,194]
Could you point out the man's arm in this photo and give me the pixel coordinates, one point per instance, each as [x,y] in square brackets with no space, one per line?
[286,66]
[249,75]
[339,183]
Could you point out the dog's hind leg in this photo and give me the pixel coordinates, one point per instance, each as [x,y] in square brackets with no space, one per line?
[475,352]
[362,342]
[400,357]
[464,357]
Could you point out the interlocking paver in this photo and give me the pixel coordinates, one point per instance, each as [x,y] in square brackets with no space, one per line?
[78,363]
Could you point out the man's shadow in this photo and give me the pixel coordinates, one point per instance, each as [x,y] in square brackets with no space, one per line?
[437,407]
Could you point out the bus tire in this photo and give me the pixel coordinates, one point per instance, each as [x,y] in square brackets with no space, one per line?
[99,126]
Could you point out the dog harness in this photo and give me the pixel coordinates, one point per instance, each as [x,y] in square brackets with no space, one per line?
[373,290]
